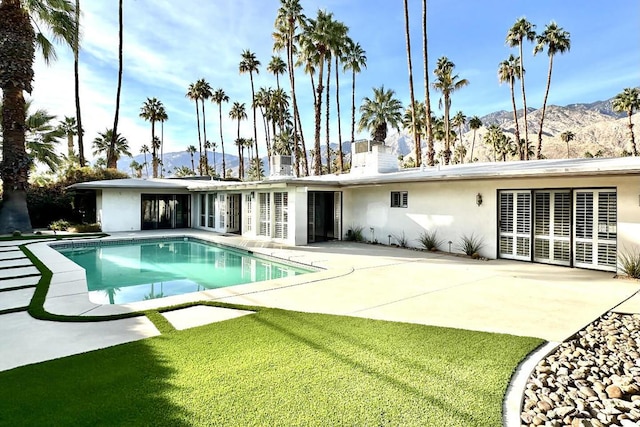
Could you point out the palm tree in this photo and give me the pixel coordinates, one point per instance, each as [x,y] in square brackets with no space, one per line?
[42,137]
[152,111]
[162,117]
[249,64]
[521,30]
[474,123]
[287,23]
[427,96]
[76,74]
[492,138]
[446,82]
[556,40]
[239,113]
[116,117]
[145,150]
[193,93]
[20,32]
[204,92]
[380,112]
[566,137]
[219,96]
[102,144]
[69,128]
[136,169]
[277,67]
[182,171]
[315,40]
[628,101]
[192,150]
[459,121]
[356,59]
[412,97]
[336,39]
[415,117]
[340,55]
[508,71]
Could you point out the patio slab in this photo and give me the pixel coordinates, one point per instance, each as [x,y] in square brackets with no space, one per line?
[200,315]
[16,299]
[19,282]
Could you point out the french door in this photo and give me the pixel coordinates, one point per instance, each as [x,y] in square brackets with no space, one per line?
[515,225]
[552,227]
[595,231]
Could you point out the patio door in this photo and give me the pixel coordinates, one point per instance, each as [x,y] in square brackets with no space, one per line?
[514,225]
[595,230]
[552,227]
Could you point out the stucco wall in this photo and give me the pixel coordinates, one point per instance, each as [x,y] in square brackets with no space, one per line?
[121,210]
[450,208]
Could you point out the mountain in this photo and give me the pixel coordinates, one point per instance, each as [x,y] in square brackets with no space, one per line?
[597,129]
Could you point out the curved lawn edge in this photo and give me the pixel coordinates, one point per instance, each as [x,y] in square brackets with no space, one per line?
[37,311]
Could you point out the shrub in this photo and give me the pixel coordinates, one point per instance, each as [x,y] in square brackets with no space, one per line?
[17,233]
[59,225]
[85,228]
[354,234]
[429,240]
[471,245]
[629,262]
[402,240]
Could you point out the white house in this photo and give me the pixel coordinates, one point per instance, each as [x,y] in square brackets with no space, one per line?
[577,212]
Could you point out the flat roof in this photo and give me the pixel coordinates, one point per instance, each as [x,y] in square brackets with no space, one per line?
[469,171]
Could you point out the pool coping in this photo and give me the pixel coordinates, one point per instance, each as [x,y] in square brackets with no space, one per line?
[68,294]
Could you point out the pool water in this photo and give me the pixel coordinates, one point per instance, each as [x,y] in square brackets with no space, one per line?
[144,270]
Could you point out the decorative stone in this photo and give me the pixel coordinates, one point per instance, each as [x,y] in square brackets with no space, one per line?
[614,392]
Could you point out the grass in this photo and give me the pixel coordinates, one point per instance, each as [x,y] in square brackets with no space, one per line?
[8,238]
[275,367]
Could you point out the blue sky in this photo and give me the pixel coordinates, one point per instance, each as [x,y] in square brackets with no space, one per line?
[167,47]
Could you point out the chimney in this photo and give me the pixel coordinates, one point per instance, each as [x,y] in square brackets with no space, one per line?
[372,157]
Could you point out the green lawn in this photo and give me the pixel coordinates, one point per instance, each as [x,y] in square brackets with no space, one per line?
[275,368]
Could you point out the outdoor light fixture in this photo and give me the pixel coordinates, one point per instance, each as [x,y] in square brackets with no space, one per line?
[252,194]
[478,199]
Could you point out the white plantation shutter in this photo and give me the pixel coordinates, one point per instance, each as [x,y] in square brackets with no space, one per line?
[595,232]
[515,224]
[249,217]
[264,201]
[552,226]
[280,202]
[223,209]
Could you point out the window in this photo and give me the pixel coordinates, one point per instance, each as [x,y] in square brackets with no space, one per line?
[211,210]
[399,199]
[281,202]
[264,201]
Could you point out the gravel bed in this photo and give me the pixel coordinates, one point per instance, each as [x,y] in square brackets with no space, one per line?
[592,379]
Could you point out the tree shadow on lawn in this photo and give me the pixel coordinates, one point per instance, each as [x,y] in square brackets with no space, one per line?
[127,384]
[448,372]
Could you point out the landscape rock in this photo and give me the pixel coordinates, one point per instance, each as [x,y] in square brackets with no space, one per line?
[592,379]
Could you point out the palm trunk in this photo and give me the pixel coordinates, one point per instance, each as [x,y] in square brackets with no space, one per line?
[353,109]
[224,164]
[111,158]
[154,151]
[199,135]
[14,214]
[317,161]
[146,164]
[524,104]
[240,158]
[76,53]
[340,160]
[328,107]
[633,138]
[162,149]
[515,117]
[255,126]
[447,133]
[544,108]
[301,149]
[411,94]
[431,153]
[473,143]
[204,160]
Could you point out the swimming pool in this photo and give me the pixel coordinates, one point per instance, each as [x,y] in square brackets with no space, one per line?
[121,272]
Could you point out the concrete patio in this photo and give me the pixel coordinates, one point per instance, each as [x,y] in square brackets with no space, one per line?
[358,279]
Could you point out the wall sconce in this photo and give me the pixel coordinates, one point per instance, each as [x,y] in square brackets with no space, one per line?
[252,194]
[478,199]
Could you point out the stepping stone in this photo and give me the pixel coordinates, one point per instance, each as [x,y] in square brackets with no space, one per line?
[9,248]
[4,255]
[19,282]
[15,299]
[9,273]
[10,263]
[200,315]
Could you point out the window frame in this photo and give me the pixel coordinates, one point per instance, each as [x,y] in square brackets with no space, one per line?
[399,199]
